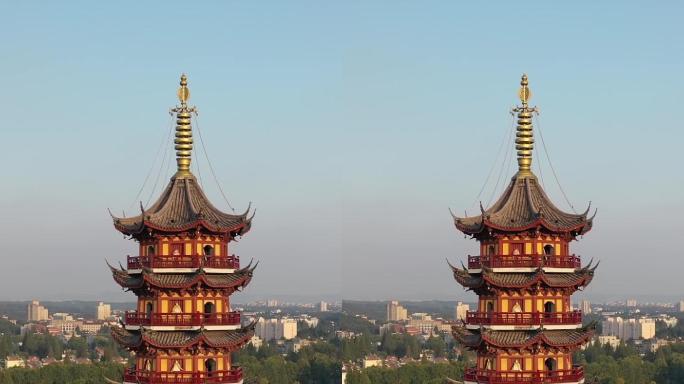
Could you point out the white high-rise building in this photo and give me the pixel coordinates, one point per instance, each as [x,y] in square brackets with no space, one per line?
[396,312]
[276,329]
[37,312]
[104,311]
[586,306]
[324,306]
[461,311]
[681,306]
[628,329]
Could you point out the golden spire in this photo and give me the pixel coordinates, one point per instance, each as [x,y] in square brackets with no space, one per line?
[183,139]
[524,139]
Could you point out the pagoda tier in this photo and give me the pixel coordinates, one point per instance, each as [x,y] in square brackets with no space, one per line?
[524,206]
[524,329]
[487,280]
[147,280]
[487,340]
[183,330]
[183,206]
[144,340]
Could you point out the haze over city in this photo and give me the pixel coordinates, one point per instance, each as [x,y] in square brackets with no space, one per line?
[352,128]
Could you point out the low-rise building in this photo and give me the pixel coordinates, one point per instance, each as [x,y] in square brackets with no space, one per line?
[14,362]
[372,361]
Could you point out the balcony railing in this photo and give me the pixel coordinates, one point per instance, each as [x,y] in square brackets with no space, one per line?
[517,261]
[573,375]
[182,319]
[215,377]
[524,318]
[225,262]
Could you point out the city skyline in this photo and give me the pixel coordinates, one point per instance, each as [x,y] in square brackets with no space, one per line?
[352,143]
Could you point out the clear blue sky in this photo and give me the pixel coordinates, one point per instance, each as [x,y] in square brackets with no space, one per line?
[352,126]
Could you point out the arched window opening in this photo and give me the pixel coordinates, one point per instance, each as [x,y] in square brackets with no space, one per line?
[517,308]
[549,307]
[148,365]
[177,308]
[550,364]
[548,250]
[150,250]
[208,250]
[208,308]
[516,365]
[210,367]
[488,364]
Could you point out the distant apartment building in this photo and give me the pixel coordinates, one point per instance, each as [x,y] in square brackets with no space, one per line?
[669,321]
[681,306]
[586,307]
[272,303]
[461,311]
[631,302]
[104,311]
[90,327]
[276,329]
[323,306]
[613,341]
[14,362]
[256,341]
[37,312]
[629,329]
[66,326]
[372,361]
[396,312]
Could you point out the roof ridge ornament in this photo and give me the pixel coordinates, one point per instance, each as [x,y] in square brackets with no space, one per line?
[524,137]
[183,141]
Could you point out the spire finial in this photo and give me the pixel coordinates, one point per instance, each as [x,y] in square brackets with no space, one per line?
[183,141]
[524,137]
[183,91]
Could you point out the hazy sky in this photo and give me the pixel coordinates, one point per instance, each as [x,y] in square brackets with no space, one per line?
[352,126]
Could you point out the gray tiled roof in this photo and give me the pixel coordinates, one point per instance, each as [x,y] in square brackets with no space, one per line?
[182,206]
[237,279]
[522,206]
[581,277]
[231,339]
[517,339]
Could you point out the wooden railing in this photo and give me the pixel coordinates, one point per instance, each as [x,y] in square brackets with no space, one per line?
[524,318]
[225,262]
[182,319]
[573,375]
[517,261]
[216,377]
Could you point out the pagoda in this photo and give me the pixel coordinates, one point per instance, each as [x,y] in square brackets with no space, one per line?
[524,328]
[183,329]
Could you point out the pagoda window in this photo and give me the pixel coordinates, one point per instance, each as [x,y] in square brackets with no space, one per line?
[208,308]
[208,250]
[491,250]
[490,306]
[548,250]
[150,250]
[488,364]
[549,307]
[210,366]
[148,310]
[517,248]
[516,365]
[550,364]
[177,366]
[148,365]
[176,306]
[177,249]
[517,308]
